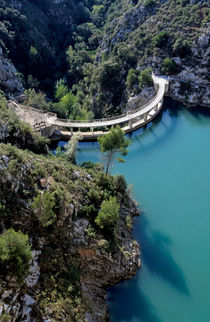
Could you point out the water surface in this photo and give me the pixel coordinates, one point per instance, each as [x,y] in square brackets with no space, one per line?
[169,167]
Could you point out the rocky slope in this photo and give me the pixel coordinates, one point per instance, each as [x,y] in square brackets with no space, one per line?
[107,41]
[9,79]
[154,31]
[13,131]
[73,261]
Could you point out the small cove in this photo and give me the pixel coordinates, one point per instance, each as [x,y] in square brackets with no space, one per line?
[168,165]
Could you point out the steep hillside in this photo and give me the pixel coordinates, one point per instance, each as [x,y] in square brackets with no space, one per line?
[170,37]
[35,35]
[54,204]
[99,54]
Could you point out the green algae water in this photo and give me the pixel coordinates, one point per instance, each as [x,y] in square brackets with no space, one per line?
[168,165]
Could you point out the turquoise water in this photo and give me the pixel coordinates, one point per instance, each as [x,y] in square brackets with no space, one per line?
[169,167]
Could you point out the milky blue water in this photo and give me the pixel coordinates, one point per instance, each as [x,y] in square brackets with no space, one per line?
[168,165]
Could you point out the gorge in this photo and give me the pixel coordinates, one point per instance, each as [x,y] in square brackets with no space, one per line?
[70,231]
[170,178]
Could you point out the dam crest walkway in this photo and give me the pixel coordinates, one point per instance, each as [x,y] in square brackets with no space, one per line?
[48,123]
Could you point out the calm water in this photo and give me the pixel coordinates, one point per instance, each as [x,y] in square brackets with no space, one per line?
[169,167]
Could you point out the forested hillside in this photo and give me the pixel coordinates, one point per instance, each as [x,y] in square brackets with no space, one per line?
[35,35]
[92,57]
[65,229]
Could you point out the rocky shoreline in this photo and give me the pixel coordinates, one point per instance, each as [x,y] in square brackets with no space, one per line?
[43,296]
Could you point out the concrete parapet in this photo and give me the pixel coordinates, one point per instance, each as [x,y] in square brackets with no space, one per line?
[137,118]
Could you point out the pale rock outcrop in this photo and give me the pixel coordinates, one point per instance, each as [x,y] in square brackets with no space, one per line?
[9,79]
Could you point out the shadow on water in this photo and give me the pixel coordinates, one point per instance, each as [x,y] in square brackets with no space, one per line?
[156,256]
[197,112]
[159,130]
[135,304]
[155,249]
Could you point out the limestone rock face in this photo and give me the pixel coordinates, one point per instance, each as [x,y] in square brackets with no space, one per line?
[9,79]
[73,242]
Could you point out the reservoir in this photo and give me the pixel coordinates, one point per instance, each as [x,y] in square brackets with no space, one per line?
[168,166]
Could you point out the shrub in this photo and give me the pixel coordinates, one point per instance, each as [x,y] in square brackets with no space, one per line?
[169,66]
[120,183]
[107,75]
[60,89]
[131,78]
[15,252]
[40,144]
[43,205]
[108,214]
[3,101]
[182,47]
[89,211]
[149,3]
[71,147]
[161,39]
[37,99]
[128,221]
[2,210]
[145,77]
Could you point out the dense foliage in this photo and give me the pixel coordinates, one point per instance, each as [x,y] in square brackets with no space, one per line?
[108,214]
[112,143]
[15,253]
[48,198]
[20,133]
[88,56]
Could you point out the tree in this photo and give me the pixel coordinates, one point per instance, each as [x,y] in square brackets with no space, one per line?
[161,39]
[34,59]
[15,252]
[112,143]
[182,47]
[169,66]
[69,103]
[145,77]
[36,99]
[43,205]
[108,214]
[131,78]
[60,89]
[71,147]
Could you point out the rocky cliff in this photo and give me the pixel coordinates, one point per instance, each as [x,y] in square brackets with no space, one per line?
[154,31]
[73,262]
[10,80]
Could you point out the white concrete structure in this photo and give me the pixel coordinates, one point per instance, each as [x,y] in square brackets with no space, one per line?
[48,122]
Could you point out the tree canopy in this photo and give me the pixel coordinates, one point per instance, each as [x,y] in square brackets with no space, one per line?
[108,214]
[112,143]
[15,252]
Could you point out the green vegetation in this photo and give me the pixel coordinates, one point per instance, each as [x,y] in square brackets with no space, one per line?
[43,205]
[161,39]
[149,3]
[169,66]
[20,133]
[108,214]
[112,143]
[120,183]
[83,62]
[49,198]
[131,78]
[79,59]
[36,99]
[71,148]
[15,253]
[145,77]
[182,47]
